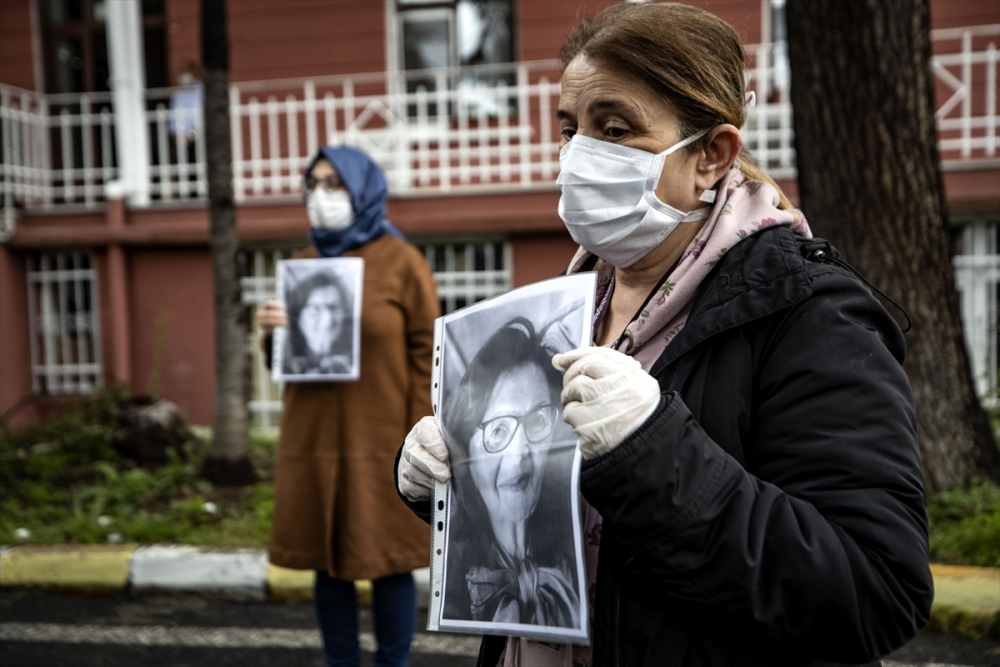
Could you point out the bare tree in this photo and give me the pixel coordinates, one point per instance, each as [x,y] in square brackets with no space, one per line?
[869,179]
[228,461]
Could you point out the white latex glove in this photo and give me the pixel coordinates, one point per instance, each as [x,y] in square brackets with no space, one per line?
[424,459]
[606,396]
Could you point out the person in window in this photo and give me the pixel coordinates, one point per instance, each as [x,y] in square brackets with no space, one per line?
[335,509]
[505,415]
[321,335]
[186,105]
[747,431]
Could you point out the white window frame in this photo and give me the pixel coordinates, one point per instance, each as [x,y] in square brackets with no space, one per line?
[977,279]
[53,279]
[458,286]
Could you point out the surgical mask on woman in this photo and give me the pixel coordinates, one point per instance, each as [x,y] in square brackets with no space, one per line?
[609,203]
[330,209]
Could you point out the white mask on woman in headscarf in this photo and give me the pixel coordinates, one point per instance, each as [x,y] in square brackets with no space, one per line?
[609,203]
[330,210]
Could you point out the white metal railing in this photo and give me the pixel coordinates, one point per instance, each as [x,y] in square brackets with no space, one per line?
[433,131]
[965,67]
[464,272]
[64,326]
[977,277]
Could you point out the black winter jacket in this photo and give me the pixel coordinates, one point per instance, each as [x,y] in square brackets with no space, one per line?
[771,511]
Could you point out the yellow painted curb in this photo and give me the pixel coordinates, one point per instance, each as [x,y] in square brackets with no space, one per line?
[364,590]
[290,585]
[297,585]
[98,568]
[976,589]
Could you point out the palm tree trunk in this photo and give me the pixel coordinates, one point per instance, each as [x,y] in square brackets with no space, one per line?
[228,461]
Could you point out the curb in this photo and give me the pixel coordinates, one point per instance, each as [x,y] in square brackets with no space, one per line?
[966,599]
[128,568]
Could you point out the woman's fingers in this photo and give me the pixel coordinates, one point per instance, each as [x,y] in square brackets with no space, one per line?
[424,449]
[595,362]
[271,314]
[424,460]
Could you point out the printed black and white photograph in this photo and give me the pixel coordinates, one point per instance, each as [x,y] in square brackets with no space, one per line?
[322,340]
[513,559]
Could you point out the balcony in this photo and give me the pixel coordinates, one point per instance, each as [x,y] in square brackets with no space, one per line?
[435,132]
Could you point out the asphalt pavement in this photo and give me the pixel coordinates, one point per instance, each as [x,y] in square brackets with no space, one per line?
[39,629]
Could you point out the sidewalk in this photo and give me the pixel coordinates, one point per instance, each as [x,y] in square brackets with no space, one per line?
[966,600]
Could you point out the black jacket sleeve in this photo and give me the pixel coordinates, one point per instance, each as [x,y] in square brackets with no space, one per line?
[824,543]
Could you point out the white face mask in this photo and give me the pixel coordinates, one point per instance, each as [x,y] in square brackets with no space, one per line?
[330,210]
[608,200]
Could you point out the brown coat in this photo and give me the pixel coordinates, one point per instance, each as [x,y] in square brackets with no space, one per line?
[336,507]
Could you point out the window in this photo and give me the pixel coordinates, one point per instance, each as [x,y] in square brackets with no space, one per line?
[64,322]
[465,33]
[76,45]
[257,286]
[776,33]
[977,278]
[469,272]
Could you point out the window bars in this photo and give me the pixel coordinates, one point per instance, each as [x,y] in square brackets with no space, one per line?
[65,332]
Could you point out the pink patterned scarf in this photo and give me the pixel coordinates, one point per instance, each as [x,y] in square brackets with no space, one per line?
[741,208]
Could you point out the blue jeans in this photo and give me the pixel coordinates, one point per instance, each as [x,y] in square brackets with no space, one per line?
[394,610]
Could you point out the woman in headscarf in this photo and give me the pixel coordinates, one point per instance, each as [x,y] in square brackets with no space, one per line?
[747,431]
[336,511]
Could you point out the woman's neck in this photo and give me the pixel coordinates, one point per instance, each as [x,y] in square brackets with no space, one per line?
[512,537]
[644,274]
[634,283]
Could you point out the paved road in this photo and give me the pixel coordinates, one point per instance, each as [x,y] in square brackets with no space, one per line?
[50,630]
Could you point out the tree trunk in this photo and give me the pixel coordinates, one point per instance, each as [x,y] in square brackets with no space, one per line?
[869,179]
[228,461]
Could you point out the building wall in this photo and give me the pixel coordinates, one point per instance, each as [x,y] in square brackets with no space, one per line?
[962,13]
[172,329]
[540,256]
[15,353]
[17,65]
[168,261]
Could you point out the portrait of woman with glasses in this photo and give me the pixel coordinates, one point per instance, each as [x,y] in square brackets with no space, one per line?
[512,475]
[320,339]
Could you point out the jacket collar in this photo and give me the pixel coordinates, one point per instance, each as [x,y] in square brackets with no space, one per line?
[759,276]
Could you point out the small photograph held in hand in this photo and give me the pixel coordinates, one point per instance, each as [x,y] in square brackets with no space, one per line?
[513,557]
[322,340]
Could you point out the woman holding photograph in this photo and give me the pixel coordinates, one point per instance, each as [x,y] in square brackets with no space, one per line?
[747,430]
[320,334]
[335,511]
[505,414]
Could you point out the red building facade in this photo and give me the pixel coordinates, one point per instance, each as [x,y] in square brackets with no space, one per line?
[102,283]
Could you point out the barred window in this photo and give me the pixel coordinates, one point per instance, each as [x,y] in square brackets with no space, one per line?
[65,333]
[469,272]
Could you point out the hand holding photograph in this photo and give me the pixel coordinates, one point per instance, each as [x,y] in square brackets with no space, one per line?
[322,340]
[511,559]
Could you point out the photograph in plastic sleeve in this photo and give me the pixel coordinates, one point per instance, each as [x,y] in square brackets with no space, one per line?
[513,559]
[322,340]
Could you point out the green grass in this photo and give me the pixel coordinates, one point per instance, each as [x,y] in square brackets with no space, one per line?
[61,481]
[965,525]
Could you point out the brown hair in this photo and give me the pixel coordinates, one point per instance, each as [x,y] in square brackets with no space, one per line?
[687,55]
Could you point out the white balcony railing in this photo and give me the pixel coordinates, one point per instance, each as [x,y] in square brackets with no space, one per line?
[434,131]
